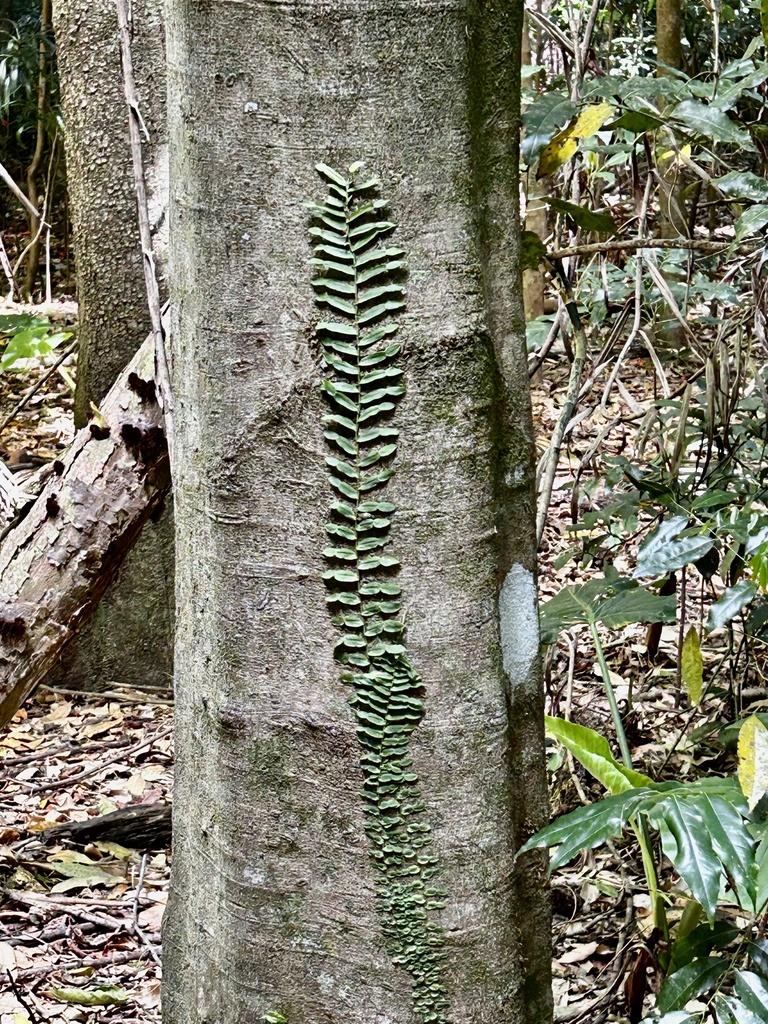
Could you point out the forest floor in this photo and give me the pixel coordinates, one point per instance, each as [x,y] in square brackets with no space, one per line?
[80,925]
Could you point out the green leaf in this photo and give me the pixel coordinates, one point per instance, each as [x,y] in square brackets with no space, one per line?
[340,421]
[378,333]
[334,285]
[371,294]
[730,604]
[343,487]
[107,995]
[743,185]
[343,442]
[340,305]
[593,751]
[367,483]
[342,347]
[335,252]
[377,433]
[377,454]
[376,410]
[732,843]
[347,269]
[389,267]
[340,365]
[376,506]
[343,510]
[334,327]
[751,222]
[394,391]
[753,993]
[583,218]
[338,397]
[588,827]
[341,467]
[696,118]
[661,553]
[330,175]
[338,530]
[689,982]
[341,575]
[731,1010]
[386,373]
[614,601]
[637,122]
[692,666]
[701,942]
[379,310]
[335,238]
[549,112]
[345,554]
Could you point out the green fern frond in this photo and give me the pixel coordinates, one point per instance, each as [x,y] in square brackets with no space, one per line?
[359,281]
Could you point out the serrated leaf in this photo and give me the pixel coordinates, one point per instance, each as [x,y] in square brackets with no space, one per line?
[753,760]
[689,982]
[692,666]
[730,604]
[593,751]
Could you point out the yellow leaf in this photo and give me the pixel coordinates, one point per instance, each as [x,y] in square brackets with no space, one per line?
[692,665]
[753,760]
[590,120]
[560,150]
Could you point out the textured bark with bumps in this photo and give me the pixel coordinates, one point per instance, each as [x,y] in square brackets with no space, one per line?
[274,913]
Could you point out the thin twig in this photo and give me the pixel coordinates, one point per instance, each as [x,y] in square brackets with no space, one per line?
[88,961]
[5,176]
[136,927]
[34,1019]
[631,244]
[63,783]
[162,374]
[31,392]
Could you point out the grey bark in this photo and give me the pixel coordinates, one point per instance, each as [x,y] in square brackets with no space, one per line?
[130,637]
[273,888]
[56,563]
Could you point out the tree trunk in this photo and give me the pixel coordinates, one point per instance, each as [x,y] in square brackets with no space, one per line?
[56,563]
[669,47]
[275,913]
[137,611]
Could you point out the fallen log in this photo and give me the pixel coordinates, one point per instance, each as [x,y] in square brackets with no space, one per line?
[56,562]
[138,827]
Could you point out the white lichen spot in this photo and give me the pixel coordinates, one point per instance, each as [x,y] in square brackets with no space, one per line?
[519,624]
[250,107]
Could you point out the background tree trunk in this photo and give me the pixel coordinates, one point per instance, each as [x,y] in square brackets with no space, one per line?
[273,887]
[136,614]
[669,46]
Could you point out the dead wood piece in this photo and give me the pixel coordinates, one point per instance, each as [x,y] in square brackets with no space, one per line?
[139,827]
[56,563]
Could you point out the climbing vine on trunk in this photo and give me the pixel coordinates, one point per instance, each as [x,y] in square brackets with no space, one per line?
[360,282]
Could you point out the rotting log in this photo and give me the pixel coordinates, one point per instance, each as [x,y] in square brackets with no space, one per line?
[57,561]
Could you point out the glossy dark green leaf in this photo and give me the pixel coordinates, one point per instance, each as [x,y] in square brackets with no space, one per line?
[752,990]
[689,982]
[664,551]
[687,844]
[603,223]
